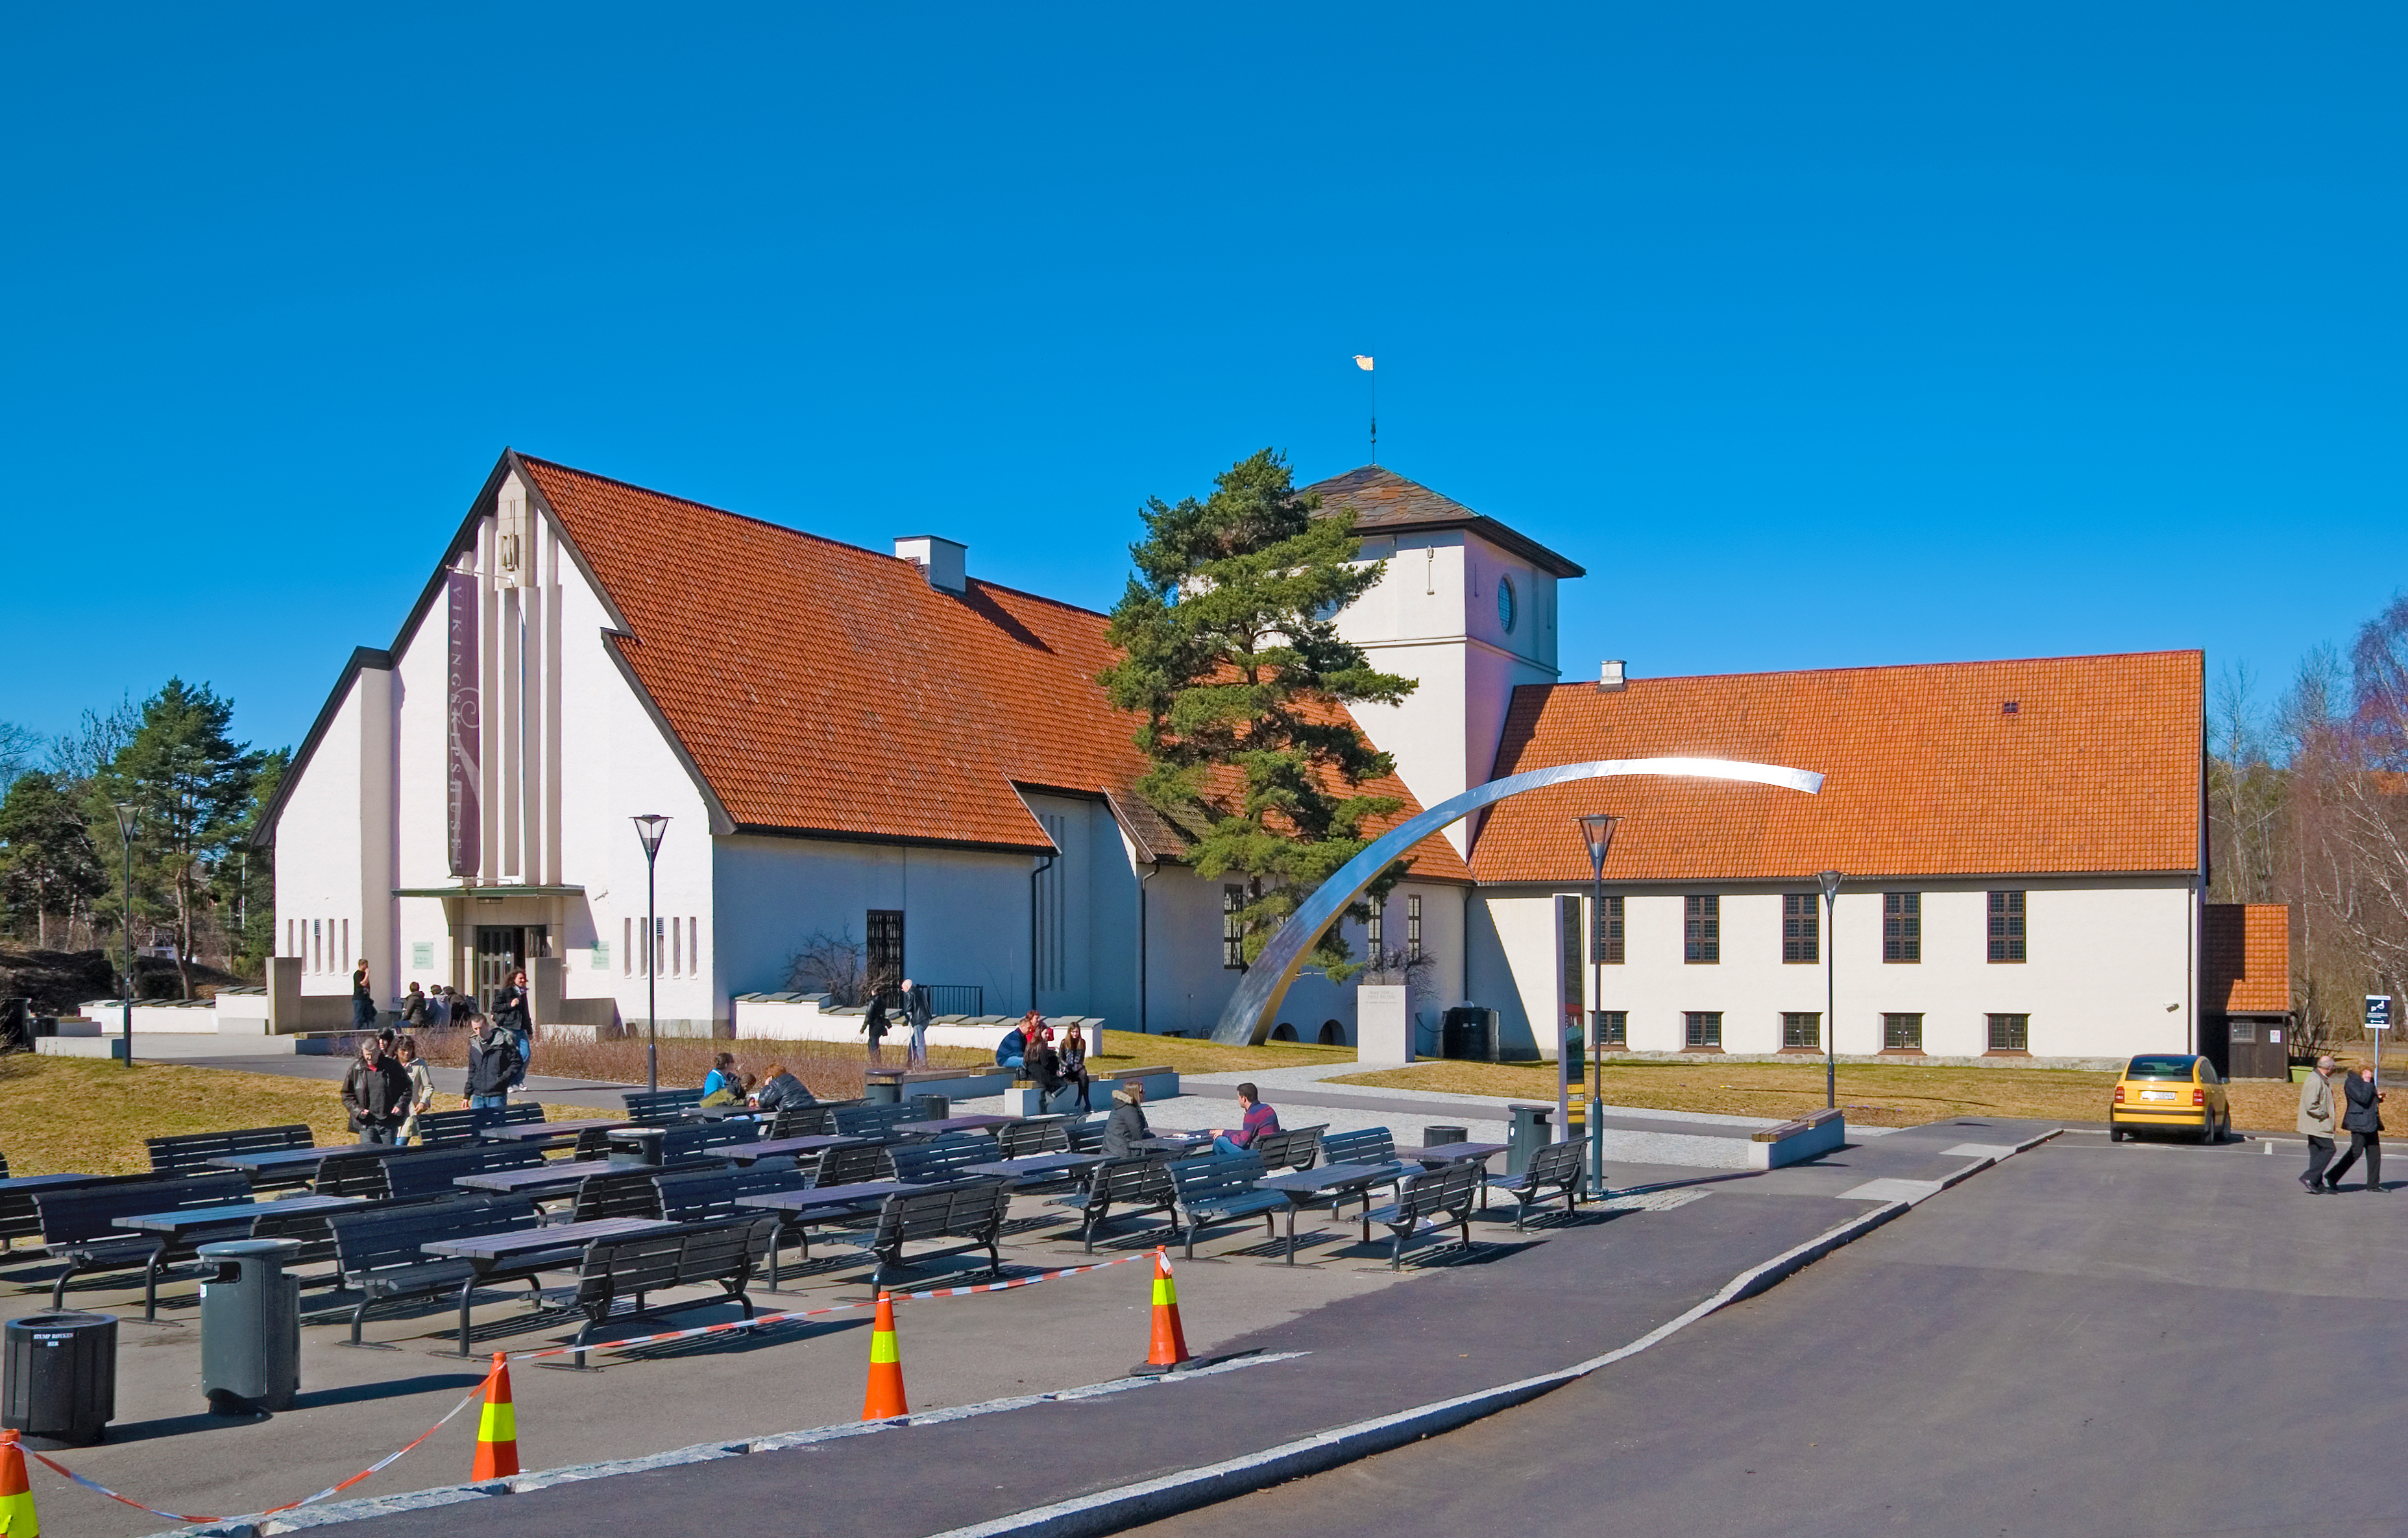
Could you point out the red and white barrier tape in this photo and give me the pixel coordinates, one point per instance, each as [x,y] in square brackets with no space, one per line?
[478,1392]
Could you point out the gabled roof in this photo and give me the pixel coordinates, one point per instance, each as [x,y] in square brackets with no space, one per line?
[2246,959]
[1385,503]
[2095,769]
[821,688]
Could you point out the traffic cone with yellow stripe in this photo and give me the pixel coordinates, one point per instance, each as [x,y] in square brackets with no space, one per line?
[17,1518]
[884,1398]
[497,1428]
[1170,1351]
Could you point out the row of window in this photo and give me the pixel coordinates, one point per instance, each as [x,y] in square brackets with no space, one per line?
[323,945]
[1801,927]
[1233,926]
[675,947]
[1803,1028]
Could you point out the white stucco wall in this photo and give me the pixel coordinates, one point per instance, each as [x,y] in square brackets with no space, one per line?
[2106,958]
[333,863]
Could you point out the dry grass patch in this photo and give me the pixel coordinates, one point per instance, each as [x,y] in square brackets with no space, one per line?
[1130,1049]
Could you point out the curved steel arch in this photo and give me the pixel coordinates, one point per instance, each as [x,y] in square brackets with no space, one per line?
[1247,1017]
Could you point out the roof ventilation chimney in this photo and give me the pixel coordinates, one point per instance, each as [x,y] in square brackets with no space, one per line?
[1609,677]
[940,561]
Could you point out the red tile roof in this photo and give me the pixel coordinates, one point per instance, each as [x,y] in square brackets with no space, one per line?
[2245,959]
[822,688]
[2065,764]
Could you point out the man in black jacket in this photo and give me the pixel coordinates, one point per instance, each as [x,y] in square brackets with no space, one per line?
[493,1065]
[2363,1121]
[377,1094]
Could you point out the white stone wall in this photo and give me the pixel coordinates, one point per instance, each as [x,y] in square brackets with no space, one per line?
[2111,968]
[333,866]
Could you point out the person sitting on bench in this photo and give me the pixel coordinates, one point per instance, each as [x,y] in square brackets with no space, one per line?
[781,1089]
[1125,1127]
[1012,1051]
[1259,1118]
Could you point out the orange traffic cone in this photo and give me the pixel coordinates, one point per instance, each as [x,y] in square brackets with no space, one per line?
[497,1428]
[884,1398]
[1169,1350]
[17,1518]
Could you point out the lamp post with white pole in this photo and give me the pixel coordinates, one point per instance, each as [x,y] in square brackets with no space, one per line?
[125,837]
[1831,881]
[649,829]
[1597,831]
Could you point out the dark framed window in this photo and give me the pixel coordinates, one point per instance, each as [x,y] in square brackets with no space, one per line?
[1901,926]
[2006,926]
[2011,1033]
[1233,926]
[1801,927]
[1701,929]
[1612,1027]
[1413,922]
[1901,1032]
[1375,927]
[884,949]
[1703,1027]
[1605,945]
[1802,1030]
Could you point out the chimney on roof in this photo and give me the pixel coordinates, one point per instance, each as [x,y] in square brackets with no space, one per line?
[1609,677]
[940,561]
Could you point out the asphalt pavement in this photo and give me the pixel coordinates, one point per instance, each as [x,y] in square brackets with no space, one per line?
[2130,1338]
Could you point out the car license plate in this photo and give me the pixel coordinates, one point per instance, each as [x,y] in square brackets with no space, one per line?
[2157,1094]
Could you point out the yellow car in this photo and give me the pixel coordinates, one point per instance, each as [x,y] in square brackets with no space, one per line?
[2164,1090]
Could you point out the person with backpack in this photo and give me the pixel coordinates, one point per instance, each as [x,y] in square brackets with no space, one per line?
[494,1066]
[514,1012]
[376,1092]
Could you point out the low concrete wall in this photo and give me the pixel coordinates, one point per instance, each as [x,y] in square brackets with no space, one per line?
[1823,1132]
[1162,1086]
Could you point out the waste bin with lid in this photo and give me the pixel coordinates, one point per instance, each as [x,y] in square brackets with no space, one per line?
[1439,1136]
[931,1107]
[636,1145]
[58,1377]
[884,1091]
[251,1326]
[1526,1134]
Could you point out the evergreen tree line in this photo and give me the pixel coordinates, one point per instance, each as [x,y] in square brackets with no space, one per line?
[196,795]
[2308,805]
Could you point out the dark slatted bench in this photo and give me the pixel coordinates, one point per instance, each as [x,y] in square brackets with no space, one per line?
[692,1140]
[972,1212]
[21,1220]
[853,1164]
[1557,1167]
[1445,1195]
[878,1122]
[431,1172]
[1371,1145]
[1043,1134]
[1219,1189]
[381,1253]
[703,1196]
[78,1226]
[815,1119]
[1135,1185]
[187,1153]
[360,1172]
[1294,1148]
[450,1128]
[659,1107]
[690,1255]
[939,1159]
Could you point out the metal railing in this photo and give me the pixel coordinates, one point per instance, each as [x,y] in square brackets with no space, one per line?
[943,998]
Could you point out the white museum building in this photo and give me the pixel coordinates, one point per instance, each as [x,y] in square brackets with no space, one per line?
[882,748]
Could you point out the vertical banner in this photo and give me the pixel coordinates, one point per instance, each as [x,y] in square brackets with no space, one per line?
[462,740]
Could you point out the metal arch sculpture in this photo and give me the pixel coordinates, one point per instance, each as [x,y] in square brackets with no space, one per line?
[1247,1017]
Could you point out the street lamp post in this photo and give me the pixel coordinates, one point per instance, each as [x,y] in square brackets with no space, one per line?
[649,829]
[1597,831]
[126,839]
[1830,882]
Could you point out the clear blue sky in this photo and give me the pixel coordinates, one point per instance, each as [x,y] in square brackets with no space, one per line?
[1826,334]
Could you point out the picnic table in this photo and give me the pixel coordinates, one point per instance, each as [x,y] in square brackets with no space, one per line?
[548,1132]
[1176,1143]
[979,1123]
[275,1161]
[178,1227]
[1447,1153]
[748,1153]
[16,1183]
[1304,1187]
[866,1193]
[487,1250]
[1037,1166]
[536,1180]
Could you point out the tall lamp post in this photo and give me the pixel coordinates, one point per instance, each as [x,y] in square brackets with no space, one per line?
[649,829]
[126,839]
[1597,831]
[1830,882]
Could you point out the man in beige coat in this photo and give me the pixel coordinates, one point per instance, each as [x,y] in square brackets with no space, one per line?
[2316,1119]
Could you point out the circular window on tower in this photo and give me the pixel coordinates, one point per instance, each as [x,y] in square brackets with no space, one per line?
[1505,603]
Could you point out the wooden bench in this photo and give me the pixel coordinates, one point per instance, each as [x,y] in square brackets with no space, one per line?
[431,1172]
[939,1159]
[972,1212]
[450,1128]
[379,1253]
[815,1119]
[659,1107]
[78,1226]
[1291,1149]
[630,1192]
[360,1172]
[694,1140]
[1044,1134]
[690,1255]
[867,1120]
[21,1220]
[1558,1166]
[187,1153]
[1219,1189]
[853,1164]
[1810,1136]
[1444,1195]
[1136,1185]
[1371,1145]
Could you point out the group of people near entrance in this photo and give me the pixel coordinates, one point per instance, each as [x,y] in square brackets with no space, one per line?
[2358,1111]
[389,1086]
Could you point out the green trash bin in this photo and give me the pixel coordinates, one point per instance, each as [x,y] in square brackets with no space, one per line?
[1526,1134]
[251,1326]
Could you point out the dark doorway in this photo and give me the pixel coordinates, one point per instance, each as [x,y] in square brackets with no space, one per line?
[502,949]
[884,959]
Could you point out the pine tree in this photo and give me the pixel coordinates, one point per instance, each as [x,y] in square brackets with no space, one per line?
[46,859]
[1232,657]
[191,786]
